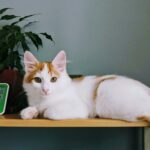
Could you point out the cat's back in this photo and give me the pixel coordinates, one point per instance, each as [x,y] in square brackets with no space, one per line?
[124,83]
[123,88]
[85,83]
[122,98]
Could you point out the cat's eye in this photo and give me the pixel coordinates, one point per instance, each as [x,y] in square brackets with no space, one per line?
[53,79]
[37,79]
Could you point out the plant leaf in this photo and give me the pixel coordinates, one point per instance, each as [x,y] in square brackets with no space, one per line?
[17,61]
[47,36]
[24,44]
[29,24]
[5,63]
[8,17]
[35,39]
[23,18]
[12,36]
[3,10]
[38,39]
[2,66]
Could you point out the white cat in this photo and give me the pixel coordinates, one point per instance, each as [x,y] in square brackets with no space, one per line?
[54,95]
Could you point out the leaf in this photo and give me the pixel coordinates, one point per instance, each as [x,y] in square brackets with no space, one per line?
[39,41]
[35,39]
[47,36]
[17,61]
[5,63]
[11,41]
[8,17]
[29,24]
[24,44]
[3,10]
[12,35]
[23,18]
[2,66]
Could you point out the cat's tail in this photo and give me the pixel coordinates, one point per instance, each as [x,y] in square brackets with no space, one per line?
[144,118]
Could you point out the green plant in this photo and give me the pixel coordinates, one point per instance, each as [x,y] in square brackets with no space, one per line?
[14,37]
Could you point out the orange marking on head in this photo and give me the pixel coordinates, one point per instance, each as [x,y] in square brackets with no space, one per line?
[39,67]
[51,69]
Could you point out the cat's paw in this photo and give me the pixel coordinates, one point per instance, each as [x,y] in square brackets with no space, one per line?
[60,114]
[53,115]
[29,113]
[48,114]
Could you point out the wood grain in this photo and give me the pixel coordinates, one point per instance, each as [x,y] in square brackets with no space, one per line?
[15,121]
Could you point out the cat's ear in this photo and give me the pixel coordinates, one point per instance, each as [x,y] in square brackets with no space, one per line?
[59,61]
[29,61]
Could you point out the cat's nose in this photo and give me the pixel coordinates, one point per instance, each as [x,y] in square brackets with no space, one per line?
[45,91]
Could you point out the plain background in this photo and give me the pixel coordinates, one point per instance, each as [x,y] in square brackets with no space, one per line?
[99,37]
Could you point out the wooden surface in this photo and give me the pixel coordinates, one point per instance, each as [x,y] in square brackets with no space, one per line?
[15,121]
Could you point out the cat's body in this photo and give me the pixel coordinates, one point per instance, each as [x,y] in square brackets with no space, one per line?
[108,96]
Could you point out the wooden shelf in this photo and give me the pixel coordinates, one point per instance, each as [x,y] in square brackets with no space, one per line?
[15,121]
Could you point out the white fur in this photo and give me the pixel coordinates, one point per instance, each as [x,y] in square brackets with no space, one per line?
[123,98]
[62,102]
[117,98]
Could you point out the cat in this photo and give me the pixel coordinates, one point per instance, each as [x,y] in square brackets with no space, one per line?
[54,95]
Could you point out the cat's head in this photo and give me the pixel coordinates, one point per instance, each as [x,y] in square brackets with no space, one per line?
[46,78]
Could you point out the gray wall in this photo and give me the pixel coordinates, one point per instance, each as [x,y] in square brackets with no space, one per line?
[100,37]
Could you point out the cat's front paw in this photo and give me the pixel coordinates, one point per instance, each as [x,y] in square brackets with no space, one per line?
[29,113]
[53,115]
[61,114]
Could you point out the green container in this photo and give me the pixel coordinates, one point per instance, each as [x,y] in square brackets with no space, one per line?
[4,87]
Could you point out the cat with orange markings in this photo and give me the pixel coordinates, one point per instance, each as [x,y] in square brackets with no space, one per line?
[54,95]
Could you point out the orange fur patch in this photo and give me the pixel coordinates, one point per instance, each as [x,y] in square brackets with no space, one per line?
[101,79]
[79,79]
[52,69]
[143,118]
[95,92]
[39,67]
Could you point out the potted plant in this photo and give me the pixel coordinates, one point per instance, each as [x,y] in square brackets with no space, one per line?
[14,39]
